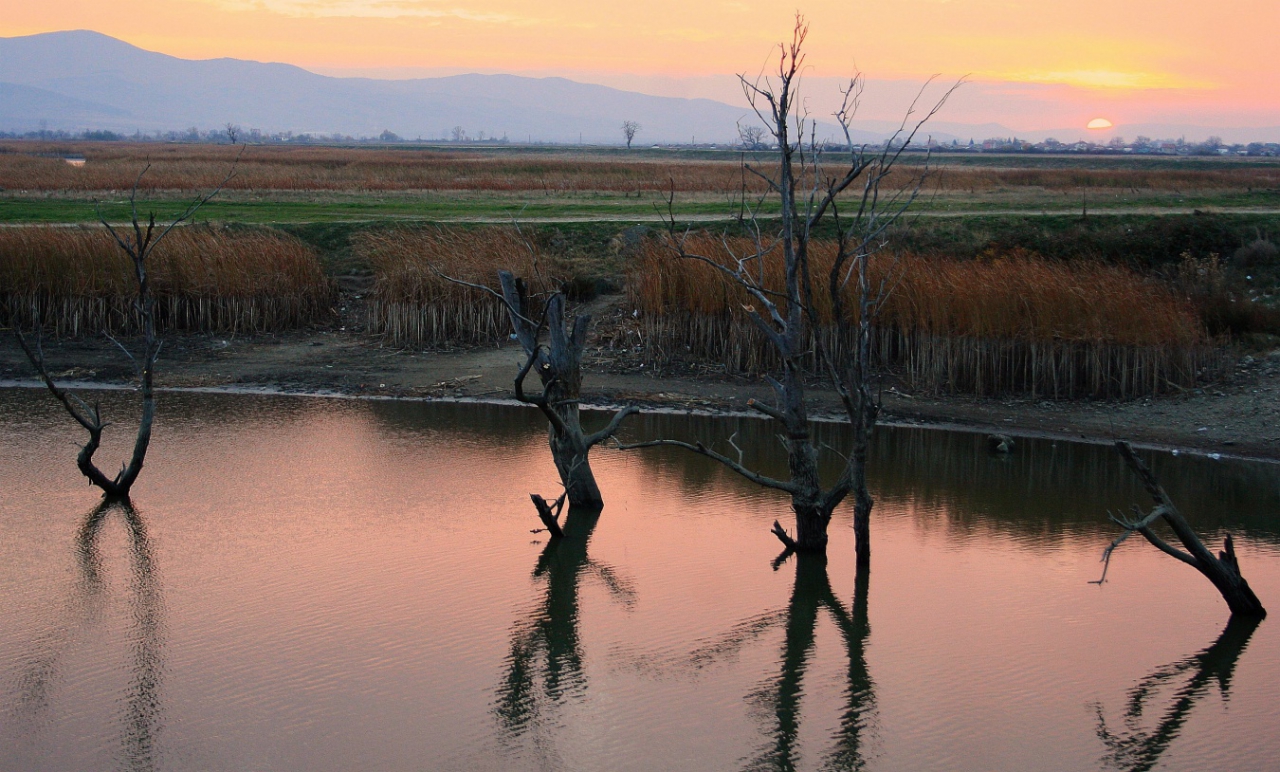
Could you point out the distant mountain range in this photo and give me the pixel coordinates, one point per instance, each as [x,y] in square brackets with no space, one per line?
[81,80]
[85,80]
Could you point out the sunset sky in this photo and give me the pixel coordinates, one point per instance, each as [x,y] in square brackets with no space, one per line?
[1032,64]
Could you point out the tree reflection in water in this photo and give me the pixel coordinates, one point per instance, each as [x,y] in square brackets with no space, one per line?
[1137,748]
[779,700]
[544,668]
[142,710]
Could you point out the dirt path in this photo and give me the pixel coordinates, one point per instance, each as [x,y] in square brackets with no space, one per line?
[1240,417]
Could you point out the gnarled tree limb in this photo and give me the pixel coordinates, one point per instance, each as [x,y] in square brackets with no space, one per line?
[1223,569]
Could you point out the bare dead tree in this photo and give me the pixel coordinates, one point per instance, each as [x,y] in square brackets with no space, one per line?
[814,187]
[138,242]
[750,136]
[1223,569]
[553,345]
[629,129]
[558,364]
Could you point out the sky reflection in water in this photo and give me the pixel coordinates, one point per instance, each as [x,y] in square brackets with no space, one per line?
[326,585]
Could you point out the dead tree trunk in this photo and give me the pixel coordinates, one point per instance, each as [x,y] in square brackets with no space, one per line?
[90,417]
[801,326]
[138,245]
[1223,569]
[558,364]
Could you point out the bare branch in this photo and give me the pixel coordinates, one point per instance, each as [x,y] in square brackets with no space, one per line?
[612,427]
[549,513]
[703,450]
[768,410]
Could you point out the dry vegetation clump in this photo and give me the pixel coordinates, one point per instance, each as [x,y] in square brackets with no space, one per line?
[413,304]
[1236,298]
[77,281]
[1012,324]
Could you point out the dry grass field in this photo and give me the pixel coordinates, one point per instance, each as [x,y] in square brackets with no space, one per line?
[1064,305]
[112,166]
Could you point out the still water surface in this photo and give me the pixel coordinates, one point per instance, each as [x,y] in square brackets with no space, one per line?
[312,584]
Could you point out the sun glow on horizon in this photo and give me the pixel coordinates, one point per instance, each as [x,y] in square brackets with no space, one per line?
[1099,123]
[1043,67]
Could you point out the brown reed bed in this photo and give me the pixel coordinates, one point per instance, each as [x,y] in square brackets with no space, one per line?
[413,304]
[35,166]
[1014,324]
[77,281]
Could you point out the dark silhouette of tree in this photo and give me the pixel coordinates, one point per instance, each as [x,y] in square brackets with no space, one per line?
[1137,748]
[553,345]
[544,668]
[629,129]
[819,322]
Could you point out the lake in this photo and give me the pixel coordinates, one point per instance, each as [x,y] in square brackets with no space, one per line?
[327,584]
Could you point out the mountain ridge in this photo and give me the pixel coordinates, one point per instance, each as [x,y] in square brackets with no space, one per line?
[148,91]
[80,80]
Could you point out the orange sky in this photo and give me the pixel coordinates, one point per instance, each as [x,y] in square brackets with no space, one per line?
[1135,58]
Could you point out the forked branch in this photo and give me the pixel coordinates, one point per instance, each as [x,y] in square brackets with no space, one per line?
[1223,569]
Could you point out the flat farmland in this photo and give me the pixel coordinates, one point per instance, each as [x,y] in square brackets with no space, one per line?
[300,184]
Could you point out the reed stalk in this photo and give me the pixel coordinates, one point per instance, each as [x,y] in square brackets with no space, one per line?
[210,279]
[1017,324]
[413,304]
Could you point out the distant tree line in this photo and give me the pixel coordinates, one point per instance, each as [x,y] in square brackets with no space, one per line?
[750,137]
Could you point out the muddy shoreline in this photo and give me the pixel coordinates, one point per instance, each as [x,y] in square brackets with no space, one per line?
[1238,417]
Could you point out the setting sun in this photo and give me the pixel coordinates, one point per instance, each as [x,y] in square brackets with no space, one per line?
[1099,123]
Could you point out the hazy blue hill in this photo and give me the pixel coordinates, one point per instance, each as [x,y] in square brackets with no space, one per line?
[23,108]
[135,89]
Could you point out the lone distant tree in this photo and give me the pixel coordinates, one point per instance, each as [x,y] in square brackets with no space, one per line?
[233,132]
[629,129]
[459,134]
[750,137]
